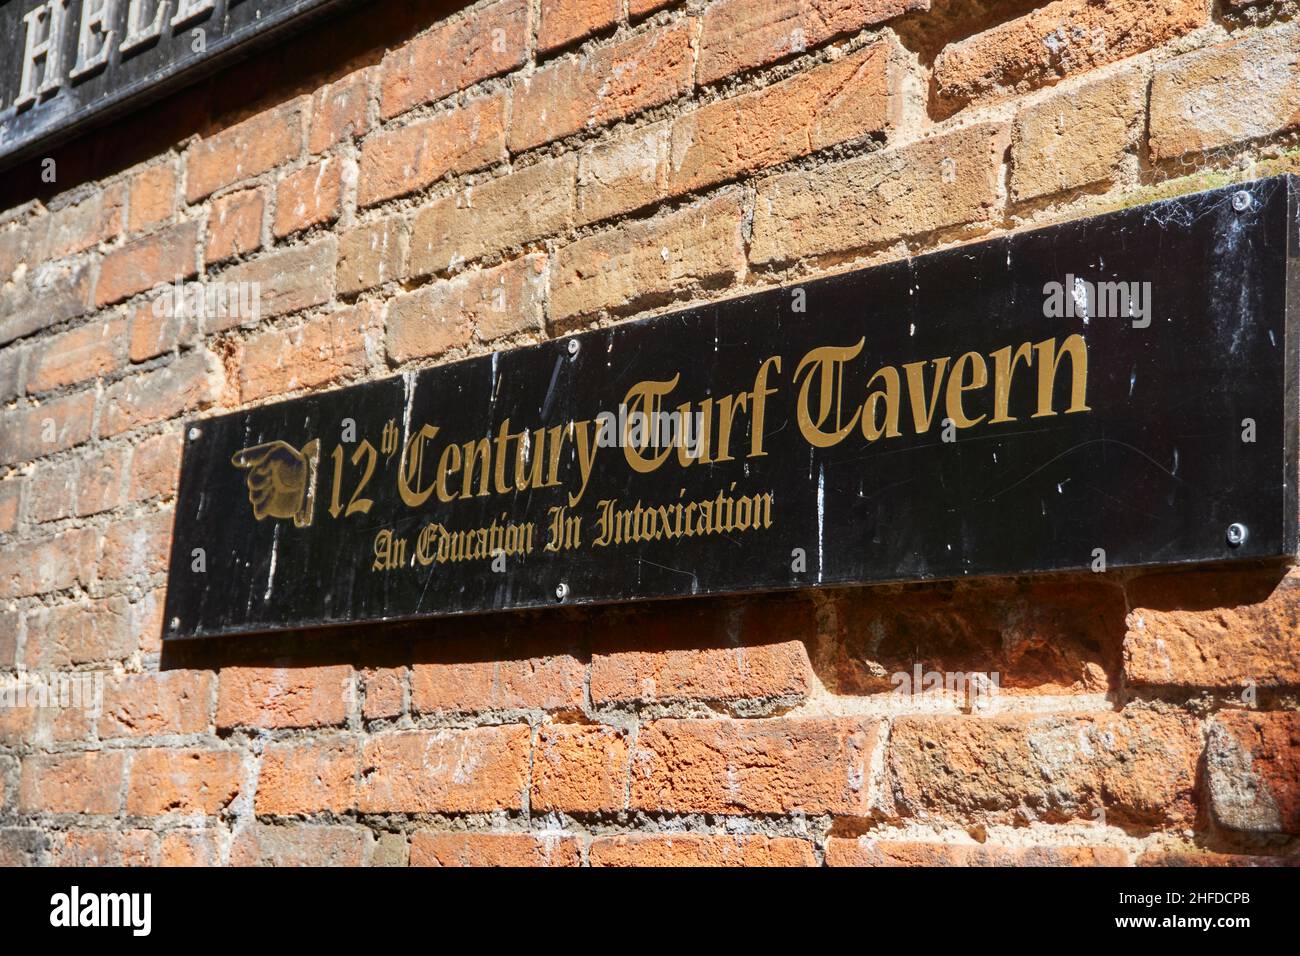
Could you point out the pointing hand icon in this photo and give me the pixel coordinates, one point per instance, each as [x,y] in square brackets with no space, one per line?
[281,480]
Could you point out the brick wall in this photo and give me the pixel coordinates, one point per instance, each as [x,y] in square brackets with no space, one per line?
[592,161]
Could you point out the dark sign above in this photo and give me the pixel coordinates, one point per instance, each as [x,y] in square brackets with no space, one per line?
[64,63]
[1113,392]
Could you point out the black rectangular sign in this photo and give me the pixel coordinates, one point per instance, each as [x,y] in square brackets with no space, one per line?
[1112,392]
[65,63]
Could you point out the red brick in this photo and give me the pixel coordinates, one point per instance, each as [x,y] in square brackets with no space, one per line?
[309,777]
[148,705]
[1060,39]
[258,844]
[105,848]
[1139,767]
[865,851]
[561,22]
[320,352]
[339,111]
[56,424]
[1253,771]
[91,631]
[235,225]
[455,55]
[745,653]
[579,769]
[1224,630]
[22,846]
[461,139]
[245,150]
[90,350]
[309,197]
[1239,91]
[479,770]
[153,196]
[191,383]
[808,765]
[738,35]
[943,182]
[155,467]
[641,264]
[271,697]
[493,849]
[288,280]
[144,263]
[605,84]
[449,314]
[385,689]
[72,783]
[188,848]
[523,206]
[475,674]
[699,849]
[372,254]
[157,328]
[101,475]
[9,494]
[52,491]
[51,565]
[183,781]
[625,173]
[136,547]
[1199,857]
[76,228]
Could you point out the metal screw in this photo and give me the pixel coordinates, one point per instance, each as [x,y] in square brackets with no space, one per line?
[175,624]
[1242,201]
[1237,535]
[194,434]
[574,345]
[561,591]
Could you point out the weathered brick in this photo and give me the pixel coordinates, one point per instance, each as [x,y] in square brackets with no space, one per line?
[134,847]
[79,227]
[429,848]
[287,280]
[22,846]
[89,782]
[372,254]
[864,851]
[510,210]
[247,149]
[455,55]
[310,196]
[809,765]
[101,477]
[190,383]
[845,100]
[475,674]
[136,546]
[1239,91]
[155,467]
[95,348]
[1195,856]
[270,697]
[643,264]
[10,492]
[153,196]
[385,689]
[1060,39]
[259,844]
[50,565]
[235,225]
[52,491]
[737,35]
[89,631]
[148,705]
[188,848]
[1253,771]
[302,777]
[1214,629]
[561,22]
[579,768]
[144,263]
[445,771]
[745,653]
[700,849]
[1138,767]
[34,431]
[606,84]
[489,303]
[457,140]
[1077,138]
[54,292]
[946,181]
[339,110]
[183,781]
[626,173]
[319,352]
